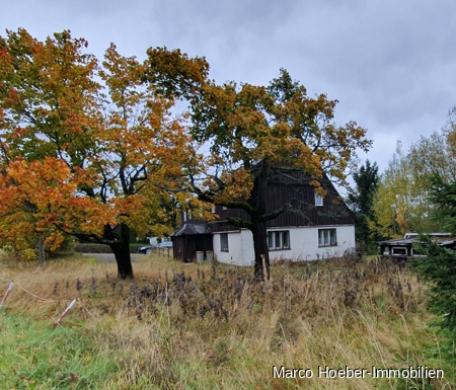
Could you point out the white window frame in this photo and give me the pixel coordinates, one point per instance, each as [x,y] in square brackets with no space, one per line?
[327,237]
[223,247]
[275,240]
[318,200]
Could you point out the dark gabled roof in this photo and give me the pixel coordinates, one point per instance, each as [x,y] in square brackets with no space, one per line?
[222,226]
[288,185]
[192,227]
[294,186]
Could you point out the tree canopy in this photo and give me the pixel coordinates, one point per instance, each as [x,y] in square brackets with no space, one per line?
[120,156]
[251,131]
[81,142]
[402,201]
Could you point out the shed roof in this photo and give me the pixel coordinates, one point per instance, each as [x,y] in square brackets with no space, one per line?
[192,227]
[439,239]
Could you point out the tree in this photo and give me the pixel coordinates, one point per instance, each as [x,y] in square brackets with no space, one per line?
[252,132]
[361,198]
[443,196]
[434,160]
[95,133]
[440,265]
[392,205]
[399,203]
[435,155]
[402,201]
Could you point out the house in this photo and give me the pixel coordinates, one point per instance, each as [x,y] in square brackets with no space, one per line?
[318,228]
[403,248]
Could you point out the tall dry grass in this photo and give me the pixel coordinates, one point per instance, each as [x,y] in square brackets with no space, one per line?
[210,326]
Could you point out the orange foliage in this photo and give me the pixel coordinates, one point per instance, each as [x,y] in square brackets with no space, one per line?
[84,146]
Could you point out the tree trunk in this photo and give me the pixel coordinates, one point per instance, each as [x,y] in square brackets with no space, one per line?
[258,201]
[121,250]
[41,250]
[261,251]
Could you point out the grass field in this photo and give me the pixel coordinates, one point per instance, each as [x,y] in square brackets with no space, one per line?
[190,326]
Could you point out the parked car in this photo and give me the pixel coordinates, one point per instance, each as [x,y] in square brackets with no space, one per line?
[165,244]
[146,249]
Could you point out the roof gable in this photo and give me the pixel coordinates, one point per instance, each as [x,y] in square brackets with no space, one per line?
[192,227]
[293,186]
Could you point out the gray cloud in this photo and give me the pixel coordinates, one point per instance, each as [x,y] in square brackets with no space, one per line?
[390,64]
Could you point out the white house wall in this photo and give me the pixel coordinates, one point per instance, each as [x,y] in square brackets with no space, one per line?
[234,255]
[303,245]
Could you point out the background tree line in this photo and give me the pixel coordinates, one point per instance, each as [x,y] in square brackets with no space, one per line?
[400,199]
[417,192]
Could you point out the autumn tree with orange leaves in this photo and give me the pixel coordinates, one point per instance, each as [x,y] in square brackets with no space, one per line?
[253,132]
[86,149]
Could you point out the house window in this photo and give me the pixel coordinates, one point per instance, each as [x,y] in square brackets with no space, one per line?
[224,242]
[318,200]
[327,237]
[279,240]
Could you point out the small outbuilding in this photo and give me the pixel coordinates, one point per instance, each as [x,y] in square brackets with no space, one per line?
[193,241]
[403,248]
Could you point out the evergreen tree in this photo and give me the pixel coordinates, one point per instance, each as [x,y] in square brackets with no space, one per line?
[361,198]
[440,264]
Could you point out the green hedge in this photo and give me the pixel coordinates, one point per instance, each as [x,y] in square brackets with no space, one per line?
[101,248]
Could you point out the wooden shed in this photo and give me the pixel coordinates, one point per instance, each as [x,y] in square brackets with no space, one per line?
[403,248]
[193,236]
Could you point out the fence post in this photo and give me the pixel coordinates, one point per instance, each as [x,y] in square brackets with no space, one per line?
[7,292]
[65,312]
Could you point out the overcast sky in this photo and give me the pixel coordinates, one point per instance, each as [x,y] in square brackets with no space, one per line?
[390,63]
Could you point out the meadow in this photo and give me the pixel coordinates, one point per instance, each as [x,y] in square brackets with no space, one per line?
[208,326]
